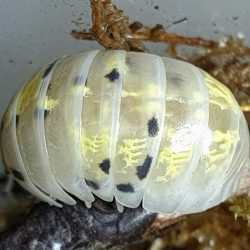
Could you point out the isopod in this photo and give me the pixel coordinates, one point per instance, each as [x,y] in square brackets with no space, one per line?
[126,125]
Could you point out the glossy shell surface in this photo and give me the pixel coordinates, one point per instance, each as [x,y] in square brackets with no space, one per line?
[131,126]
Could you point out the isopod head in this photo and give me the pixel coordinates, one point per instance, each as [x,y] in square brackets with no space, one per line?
[131,126]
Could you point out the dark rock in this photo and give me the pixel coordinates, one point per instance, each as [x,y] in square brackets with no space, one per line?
[76,227]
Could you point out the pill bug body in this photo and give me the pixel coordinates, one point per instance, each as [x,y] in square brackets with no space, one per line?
[131,126]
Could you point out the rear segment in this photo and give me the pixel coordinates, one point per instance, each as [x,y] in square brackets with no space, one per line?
[186,120]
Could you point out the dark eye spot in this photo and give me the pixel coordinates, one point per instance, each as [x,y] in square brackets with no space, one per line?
[113,75]
[153,127]
[125,188]
[17,119]
[143,170]
[105,166]
[92,184]
[17,175]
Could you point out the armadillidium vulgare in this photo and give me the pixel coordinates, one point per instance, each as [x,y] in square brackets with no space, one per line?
[128,125]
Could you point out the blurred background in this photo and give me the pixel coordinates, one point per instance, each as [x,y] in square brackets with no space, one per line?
[34,33]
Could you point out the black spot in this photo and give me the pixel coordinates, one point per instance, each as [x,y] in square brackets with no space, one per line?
[2,126]
[153,128]
[41,111]
[17,119]
[105,166]
[78,80]
[17,175]
[46,113]
[156,7]
[113,75]
[143,170]
[92,184]
[126,188]
[47,71]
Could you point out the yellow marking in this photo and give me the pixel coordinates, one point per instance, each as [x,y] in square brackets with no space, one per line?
[222,144]
[129,94]
[151,90]
[96,145]
[29,93]
[94,151]
[111,62]
[93,143]
[149,109]
[172,162]
[50,103]
[219,94]
[131,150]
[87,92]
[244,103]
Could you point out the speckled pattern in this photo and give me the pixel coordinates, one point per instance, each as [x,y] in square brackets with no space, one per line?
[131,126]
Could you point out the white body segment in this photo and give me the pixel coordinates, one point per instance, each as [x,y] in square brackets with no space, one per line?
[131,126]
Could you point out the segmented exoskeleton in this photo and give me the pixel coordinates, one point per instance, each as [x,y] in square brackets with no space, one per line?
[128,125]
